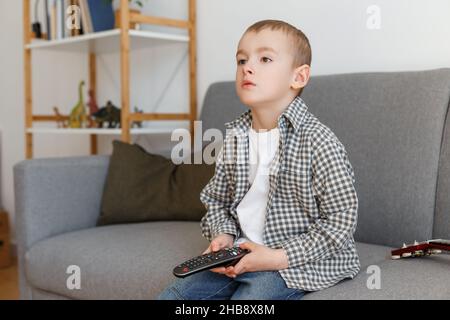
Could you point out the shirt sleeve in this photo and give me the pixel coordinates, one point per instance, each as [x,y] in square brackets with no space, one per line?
[333,183]
[217,199]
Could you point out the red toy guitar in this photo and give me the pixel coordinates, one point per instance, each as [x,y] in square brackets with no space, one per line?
[426,248]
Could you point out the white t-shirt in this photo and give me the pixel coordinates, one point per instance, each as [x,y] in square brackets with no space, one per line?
[251,210]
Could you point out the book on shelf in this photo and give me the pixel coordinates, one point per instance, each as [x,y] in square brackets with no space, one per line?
[53,20]
[100,14]
[56,12]
[86,19]
[94,16]
[67,31]
[47,19]
[60,19]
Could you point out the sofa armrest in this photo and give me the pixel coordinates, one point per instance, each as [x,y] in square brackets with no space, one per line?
[58,195]
[55,196]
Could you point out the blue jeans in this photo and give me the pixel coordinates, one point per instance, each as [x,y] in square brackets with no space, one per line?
[208,285]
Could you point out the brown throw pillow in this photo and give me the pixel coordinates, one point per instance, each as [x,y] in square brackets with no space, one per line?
[141,186]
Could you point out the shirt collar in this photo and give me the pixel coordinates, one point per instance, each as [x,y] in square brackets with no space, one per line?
[294,113]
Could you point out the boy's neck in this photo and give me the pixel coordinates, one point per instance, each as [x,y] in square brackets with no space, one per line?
[265,118]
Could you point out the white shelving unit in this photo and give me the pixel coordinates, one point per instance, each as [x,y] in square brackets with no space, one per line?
[100,131]
[106,41]
[121,40]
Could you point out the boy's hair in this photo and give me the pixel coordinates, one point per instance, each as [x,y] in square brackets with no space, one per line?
[300,43]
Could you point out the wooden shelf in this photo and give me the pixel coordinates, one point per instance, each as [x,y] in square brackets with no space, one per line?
[106,41]
[99,131]
[122,40]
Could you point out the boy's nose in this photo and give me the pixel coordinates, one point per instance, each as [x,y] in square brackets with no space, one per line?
[248,70]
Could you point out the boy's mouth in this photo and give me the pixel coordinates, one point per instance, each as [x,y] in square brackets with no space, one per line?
[247,83]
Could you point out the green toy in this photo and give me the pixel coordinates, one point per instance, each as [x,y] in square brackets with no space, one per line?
[78,116]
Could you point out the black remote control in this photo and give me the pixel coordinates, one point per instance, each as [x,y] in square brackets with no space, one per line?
[224,257]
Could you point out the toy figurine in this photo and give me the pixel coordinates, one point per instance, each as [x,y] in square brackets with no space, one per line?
[60,121]
[92,104]
[93,108]
[137,123]
[78,115]
[109,114]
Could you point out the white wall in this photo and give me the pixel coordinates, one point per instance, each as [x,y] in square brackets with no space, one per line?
[413,36]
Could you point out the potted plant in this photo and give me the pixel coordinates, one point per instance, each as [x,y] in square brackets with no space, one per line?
[134,4]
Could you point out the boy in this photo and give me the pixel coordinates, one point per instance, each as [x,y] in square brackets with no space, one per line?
[283,186]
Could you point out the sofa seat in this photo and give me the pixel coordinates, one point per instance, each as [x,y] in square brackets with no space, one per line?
[426,278]
[116,261]
[154,248]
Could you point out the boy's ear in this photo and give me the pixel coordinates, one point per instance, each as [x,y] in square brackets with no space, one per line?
[301,77]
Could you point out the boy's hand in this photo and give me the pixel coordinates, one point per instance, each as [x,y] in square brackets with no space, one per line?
[223,240]
[261,258]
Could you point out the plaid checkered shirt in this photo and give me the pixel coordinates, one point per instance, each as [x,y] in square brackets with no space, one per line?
[312,203]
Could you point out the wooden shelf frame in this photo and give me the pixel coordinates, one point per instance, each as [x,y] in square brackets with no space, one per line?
[99,131]
[105,41]
[127,117]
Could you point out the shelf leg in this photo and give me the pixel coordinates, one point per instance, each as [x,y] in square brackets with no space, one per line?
[192,69]
[27,80]
[94,149]
[125,69]
[93,87]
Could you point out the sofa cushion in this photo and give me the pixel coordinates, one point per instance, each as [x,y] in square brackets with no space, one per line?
[37,294]
[370,254]
[135,261]
[141,186]
[130,261]
[404,279]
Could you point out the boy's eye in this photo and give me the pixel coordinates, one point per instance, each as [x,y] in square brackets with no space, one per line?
[265,59]
[241,61]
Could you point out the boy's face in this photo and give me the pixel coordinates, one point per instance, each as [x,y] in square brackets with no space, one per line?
[266,60]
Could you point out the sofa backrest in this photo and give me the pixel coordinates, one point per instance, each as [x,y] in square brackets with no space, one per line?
[221,105]
[392,125]
[442,214]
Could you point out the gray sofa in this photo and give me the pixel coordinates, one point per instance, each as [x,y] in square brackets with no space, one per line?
[396,130]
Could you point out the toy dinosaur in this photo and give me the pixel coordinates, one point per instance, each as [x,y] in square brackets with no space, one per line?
[93,108]
[60,120]
[92,104]
[137,123]
[109,114]
[78,115]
